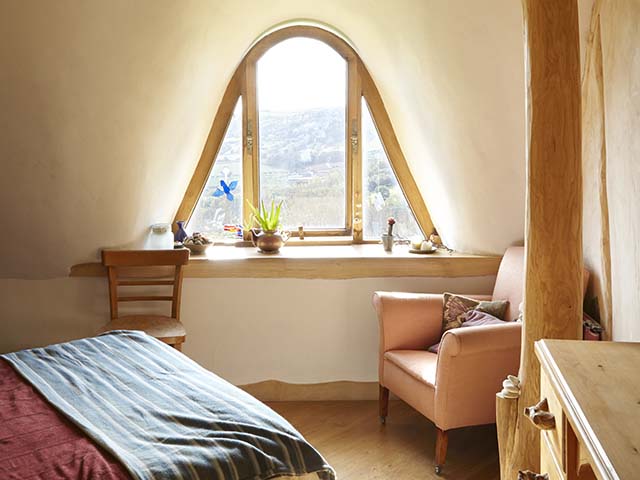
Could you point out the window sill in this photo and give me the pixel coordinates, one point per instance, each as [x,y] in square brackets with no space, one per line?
[309,241]
[324,262]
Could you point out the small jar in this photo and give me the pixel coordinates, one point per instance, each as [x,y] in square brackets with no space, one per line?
[160,237]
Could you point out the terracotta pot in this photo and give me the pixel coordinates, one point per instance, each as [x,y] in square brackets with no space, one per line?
[269,242]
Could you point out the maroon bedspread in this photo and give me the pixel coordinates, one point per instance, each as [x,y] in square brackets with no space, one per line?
[36,442]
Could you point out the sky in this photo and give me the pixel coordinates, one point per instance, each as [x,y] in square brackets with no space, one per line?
[299,74]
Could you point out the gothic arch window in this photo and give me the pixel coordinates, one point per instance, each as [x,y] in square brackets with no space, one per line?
[302,122]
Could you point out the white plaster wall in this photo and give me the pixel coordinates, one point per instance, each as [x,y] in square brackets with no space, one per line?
[621,60]
[611,121]
[105,107]
[104,110]
[246,330]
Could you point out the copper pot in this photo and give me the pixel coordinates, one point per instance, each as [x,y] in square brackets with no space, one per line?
[268,242]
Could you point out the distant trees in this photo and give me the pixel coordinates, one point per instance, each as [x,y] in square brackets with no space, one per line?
[303,162]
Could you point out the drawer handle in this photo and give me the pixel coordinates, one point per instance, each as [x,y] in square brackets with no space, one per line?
[540,415]
[528,475]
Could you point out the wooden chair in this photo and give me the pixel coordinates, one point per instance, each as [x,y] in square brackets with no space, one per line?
[147,268]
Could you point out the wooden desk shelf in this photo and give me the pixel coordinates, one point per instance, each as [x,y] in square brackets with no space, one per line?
[325,262]
[593,390]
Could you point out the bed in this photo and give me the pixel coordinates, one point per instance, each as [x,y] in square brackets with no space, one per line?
[124,405]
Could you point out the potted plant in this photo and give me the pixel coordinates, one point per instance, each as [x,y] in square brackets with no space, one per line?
[387,238]
[267,236]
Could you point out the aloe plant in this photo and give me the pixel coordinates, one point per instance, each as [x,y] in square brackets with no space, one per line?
[267,220]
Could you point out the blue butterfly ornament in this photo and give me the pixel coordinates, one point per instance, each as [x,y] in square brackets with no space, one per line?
[225,189]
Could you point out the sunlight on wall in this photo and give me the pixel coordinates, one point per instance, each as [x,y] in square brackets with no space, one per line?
[107,107]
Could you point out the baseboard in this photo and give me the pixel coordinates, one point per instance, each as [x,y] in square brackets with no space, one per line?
[277,391]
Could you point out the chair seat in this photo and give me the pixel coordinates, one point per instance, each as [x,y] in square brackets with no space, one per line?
[419,364]
[167,329]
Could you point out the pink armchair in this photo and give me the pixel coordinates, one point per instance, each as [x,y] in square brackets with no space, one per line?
[456,387]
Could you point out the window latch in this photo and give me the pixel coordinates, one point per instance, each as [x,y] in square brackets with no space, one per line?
[249,137]
[354,137]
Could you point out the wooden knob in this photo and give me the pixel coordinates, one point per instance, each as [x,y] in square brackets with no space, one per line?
[528,475]
[540,415]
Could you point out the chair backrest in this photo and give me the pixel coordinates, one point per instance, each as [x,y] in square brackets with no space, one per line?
[145,268]
[510,281]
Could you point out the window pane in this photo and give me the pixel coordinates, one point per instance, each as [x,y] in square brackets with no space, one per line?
[221,203]
[383,197]
[302,86]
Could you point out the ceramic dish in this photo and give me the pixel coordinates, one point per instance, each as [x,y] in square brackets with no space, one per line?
[197,249]
[422,252]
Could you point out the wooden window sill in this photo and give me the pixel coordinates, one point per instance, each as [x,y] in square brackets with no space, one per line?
[309,241]
[325,262]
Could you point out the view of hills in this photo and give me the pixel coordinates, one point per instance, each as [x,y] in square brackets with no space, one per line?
[302,163]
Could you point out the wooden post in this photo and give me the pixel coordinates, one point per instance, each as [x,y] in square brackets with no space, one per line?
[553,272]
[506,409]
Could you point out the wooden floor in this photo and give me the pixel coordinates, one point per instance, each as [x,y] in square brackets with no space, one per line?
[350,437]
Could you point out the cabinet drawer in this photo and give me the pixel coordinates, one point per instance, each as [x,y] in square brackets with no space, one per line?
[549,462]
[555,437]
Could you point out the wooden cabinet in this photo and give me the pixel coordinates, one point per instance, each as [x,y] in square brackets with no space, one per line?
[592,389]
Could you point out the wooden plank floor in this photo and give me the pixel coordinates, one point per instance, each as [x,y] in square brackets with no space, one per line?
[350,437]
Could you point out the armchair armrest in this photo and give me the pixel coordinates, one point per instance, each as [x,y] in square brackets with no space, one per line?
[482,339]
[472,363]
[408,321]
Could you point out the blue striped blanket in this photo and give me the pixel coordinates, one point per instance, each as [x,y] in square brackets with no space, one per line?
[162,415]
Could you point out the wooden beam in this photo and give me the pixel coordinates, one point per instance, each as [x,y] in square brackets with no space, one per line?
[553,246]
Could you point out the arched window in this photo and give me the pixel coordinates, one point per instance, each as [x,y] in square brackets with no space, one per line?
[302,122]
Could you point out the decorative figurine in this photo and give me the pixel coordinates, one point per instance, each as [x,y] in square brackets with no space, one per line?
[528,475]
[180,234]
[540,415]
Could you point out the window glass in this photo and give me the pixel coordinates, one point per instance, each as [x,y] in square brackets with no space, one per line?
[219,209]
[302,87]
[382,195]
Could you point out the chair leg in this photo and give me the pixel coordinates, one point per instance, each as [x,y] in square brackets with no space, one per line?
[177,346]
[383,404]
[442,440]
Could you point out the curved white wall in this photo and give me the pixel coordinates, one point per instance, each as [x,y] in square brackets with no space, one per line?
[106,106]
[245,330]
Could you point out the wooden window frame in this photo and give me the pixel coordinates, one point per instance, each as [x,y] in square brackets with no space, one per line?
[359,85]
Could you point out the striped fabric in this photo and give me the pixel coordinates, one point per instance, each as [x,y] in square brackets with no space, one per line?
[162,415]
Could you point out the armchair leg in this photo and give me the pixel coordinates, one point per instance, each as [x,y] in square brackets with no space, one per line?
[442,440]
[383,404]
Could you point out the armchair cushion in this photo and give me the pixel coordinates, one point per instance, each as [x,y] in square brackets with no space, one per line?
[495,308]
[419,364]
[411,375]
[473,318]
[477,318]
[454,309]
